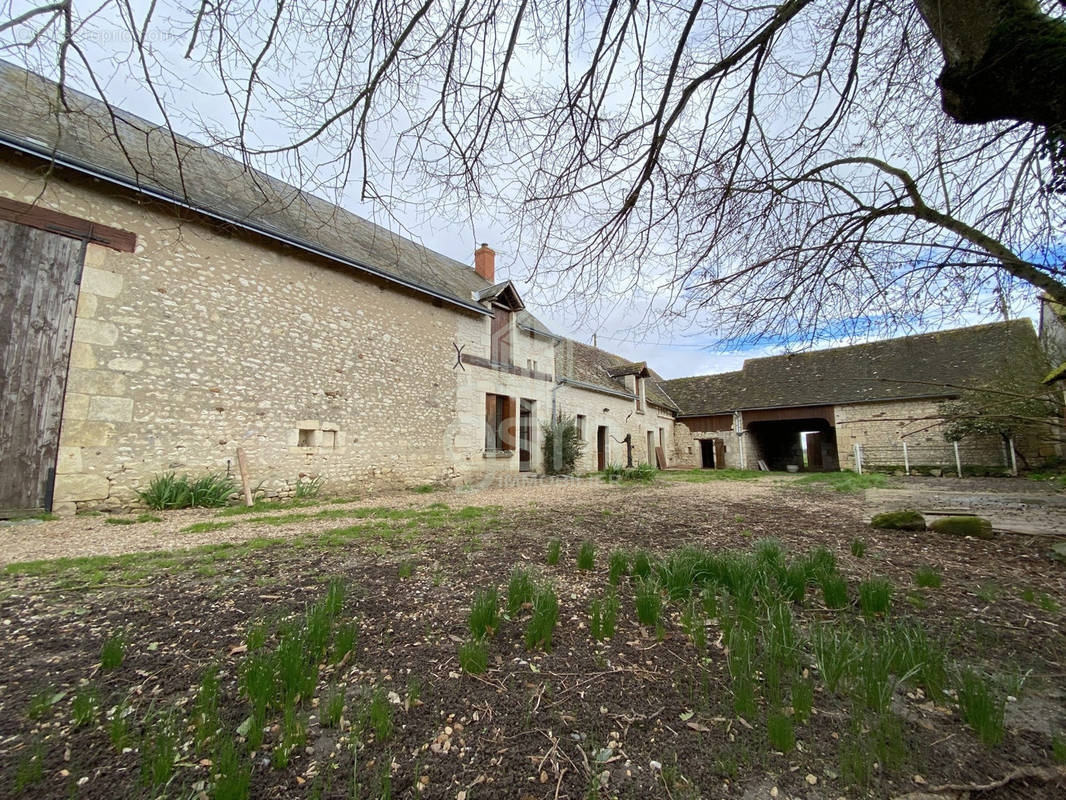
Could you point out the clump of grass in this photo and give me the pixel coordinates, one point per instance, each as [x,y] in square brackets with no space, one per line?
[740,659]
[843,481]
[425,488]
[988,591]
[520,590]
[779,731]
[899,521]
[234,773]
[485,613]
[641,564]
[1058,748]
[917,659]
[821,563]
[473,656]
[380,715]
[171,491]
[981,705]
[977,527]
[205,710]
[113,652]
[30,769]
[858,547]
[586,556]
[603,616]
[875,596]
[644,473]
[617,566]
[118,726]
[802,699]
[344,641]
[308,488]
[542,623]
[792,581]
[405,570]
[207,527]
[331,707]
[138,520]
[159,752]
[836,653]
[649,601]
[927,577]
[834,591]
[84,708]
[554,548]
[42,702]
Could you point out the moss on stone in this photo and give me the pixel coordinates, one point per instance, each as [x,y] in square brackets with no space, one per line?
[899,521]
[978,527]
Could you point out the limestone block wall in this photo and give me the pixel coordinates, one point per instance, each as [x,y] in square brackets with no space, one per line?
[200,342]
[687,446]
[620,416]
[883,427]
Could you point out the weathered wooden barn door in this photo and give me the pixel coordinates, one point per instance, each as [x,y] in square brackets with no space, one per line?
[814,451]
[719,454]
[39,276]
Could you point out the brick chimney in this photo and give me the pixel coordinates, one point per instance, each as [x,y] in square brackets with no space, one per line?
[485,262]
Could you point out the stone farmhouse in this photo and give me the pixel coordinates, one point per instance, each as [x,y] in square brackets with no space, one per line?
[161,306]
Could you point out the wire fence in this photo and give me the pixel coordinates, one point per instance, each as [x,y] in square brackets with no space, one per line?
[959,458]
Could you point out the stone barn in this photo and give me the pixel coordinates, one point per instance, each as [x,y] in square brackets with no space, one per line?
[810,410]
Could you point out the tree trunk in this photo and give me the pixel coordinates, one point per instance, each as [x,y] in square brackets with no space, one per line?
[1003,60]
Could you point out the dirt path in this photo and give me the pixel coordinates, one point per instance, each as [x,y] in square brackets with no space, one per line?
[73,537]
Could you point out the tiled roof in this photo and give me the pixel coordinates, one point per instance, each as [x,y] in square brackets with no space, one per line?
[928,365]
[149,158]
[596,367]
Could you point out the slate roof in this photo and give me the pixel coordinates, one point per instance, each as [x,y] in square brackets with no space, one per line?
[593,366]
[927,365]
[147,156]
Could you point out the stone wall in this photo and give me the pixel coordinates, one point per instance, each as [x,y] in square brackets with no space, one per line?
[620,416]
[202,341]
[740,451]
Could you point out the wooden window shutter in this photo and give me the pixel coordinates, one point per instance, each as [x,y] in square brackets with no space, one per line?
[510,424]
[491,434]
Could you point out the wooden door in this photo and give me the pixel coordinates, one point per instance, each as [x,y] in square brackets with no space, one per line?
[814,451]
[525,436]
[719,454]
[601,448]
[39,276]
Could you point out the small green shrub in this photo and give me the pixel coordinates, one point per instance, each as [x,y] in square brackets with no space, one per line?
[834,591]
[520,590]
[542,623]
[981,705]
[899,521]
[649,601]
[875,596]
[603,616]
[554,548]
[561,445]
[977,527]
[113,652]
[858,547]
[644,473]
[586,556]
[617,566]
[171,491]
[485,613]
[927,577]
[473,656]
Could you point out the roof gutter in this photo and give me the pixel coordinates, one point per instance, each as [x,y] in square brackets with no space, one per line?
[16,143]
[594,388]
[539,332]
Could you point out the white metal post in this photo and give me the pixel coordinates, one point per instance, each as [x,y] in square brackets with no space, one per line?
[858,458]
[906,460]
[1013,459]
[958,461]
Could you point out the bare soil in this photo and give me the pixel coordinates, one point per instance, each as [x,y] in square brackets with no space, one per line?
[534,723]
